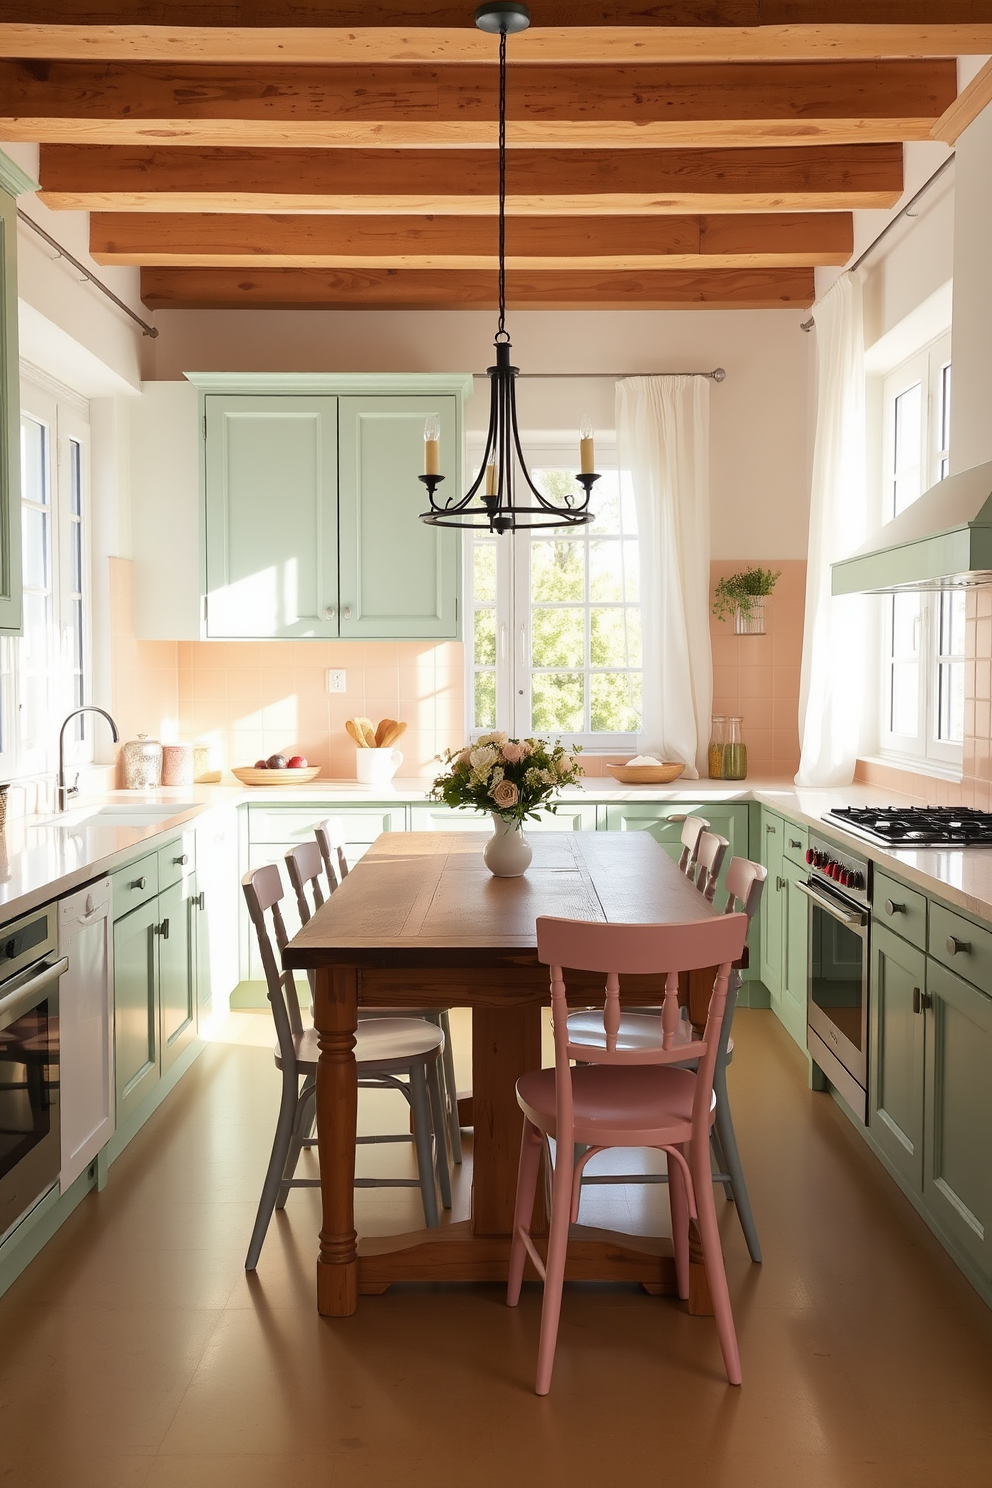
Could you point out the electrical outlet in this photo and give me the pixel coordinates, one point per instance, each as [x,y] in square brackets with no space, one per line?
[337,681]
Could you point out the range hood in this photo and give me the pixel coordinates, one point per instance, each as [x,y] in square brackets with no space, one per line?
[942,541]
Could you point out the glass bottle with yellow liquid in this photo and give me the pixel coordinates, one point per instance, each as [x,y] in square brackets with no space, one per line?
[718,743]
[735,752]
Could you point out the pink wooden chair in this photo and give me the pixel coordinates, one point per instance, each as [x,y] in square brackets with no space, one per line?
[710,853]
[692,829]
[625,1097]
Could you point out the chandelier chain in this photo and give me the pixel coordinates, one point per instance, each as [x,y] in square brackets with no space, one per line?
[502,184]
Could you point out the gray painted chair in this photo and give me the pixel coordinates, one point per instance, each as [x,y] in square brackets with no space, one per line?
[331,840]
[745,881]
[392,1053]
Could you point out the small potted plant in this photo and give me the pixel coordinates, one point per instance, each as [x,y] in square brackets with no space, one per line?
[512,779]
[743,595]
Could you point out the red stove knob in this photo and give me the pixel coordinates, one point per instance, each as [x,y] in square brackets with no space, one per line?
[810,855]
[845,877]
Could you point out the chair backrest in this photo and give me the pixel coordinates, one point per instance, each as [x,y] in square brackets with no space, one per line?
[692,829]
[330,841]
[632,950]
[263,891]
[744,883]
[305,865]
[710,854]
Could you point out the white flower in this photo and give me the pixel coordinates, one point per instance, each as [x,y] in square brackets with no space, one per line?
[482,759]
[497,738]
[497,776]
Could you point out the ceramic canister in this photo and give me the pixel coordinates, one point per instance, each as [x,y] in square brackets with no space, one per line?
[205,771]
[177,764]
[142,763]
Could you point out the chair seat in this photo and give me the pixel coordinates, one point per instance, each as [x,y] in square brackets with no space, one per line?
[623,1106]
[388,1044]
[641,1030]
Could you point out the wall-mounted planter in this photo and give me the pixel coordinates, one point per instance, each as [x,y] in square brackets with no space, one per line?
[752,620]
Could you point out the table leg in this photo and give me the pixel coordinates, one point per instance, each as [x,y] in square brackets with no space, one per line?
[506,1043]
[336,1019]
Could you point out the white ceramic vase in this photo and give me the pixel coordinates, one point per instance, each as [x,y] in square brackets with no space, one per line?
[507,854]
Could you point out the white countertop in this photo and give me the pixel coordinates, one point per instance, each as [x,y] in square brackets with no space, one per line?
[43,858]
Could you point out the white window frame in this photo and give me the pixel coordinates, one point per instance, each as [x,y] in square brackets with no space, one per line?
[65,418]
[513,608]
[926,368]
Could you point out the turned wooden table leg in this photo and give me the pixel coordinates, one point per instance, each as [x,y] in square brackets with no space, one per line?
[336,1019]
[506,1043]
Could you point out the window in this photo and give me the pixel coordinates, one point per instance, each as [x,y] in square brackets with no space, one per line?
[556,640]
[923,634]
[45,672]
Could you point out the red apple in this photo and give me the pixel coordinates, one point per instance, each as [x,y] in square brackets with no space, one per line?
[297,762]
[261,765]
[276,762]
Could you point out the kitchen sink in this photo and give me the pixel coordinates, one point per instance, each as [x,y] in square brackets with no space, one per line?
[124,814]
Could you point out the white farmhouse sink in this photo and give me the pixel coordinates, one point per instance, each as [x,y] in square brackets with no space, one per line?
[124,814]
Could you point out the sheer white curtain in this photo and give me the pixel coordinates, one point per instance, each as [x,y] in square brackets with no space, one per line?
[663,449]
[831,686]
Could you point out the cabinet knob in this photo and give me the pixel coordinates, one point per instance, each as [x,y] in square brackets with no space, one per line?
[954,945]
[794,842]
[181,862]
[200,899]
[917,1000]
[780,883]
[330,612]
[892,908]
[769,828]
[346,612]
[138,883]
[163,929]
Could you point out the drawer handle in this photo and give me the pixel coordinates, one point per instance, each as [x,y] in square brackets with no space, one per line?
[768,828]
[181,862]
[892,908]
[917,1000]
[794,842]
[954,945]
[200,899]
[163,929]
[137,883]
[780,883]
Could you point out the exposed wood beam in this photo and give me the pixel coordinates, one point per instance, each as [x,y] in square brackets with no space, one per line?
[426,289]
[598,107]
[233,241]
[541,182]
[613,45]
[966,107]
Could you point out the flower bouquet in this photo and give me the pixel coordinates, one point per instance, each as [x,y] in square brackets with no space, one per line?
[512,779]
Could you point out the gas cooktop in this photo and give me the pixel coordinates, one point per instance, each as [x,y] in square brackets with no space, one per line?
[917,826]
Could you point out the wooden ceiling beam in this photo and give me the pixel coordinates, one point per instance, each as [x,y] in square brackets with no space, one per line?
[596,107]
[234,241]
[541,182]
[426,289]
[588,43]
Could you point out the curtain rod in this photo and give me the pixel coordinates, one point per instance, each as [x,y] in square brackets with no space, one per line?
[146,329]
[807,325]
[717,375]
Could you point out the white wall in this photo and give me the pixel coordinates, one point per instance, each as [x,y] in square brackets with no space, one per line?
[971,404]
[759,469]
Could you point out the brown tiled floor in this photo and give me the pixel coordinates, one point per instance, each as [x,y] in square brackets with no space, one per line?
[135,1352]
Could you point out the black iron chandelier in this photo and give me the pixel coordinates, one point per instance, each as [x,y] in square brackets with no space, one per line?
[490,502]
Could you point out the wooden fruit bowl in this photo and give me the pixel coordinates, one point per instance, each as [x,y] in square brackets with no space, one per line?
[646,774]
[248,775]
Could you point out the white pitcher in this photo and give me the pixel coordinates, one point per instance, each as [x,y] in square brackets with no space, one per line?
[377,766]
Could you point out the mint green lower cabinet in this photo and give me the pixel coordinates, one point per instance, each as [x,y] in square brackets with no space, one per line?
[790,1003]
[895,1053]
[136,1022]
[176,933]
[399,577]
[439,818]
[957,1178]
[771,911]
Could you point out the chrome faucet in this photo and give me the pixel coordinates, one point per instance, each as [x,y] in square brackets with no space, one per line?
[65,791]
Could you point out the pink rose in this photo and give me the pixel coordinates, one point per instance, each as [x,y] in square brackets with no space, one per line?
[514,753]
[464,759]
[505,795]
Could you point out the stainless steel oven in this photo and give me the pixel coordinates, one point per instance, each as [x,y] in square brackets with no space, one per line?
[839,892]
[30,1139]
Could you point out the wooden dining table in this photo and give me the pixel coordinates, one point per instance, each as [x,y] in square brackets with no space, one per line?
[420,922]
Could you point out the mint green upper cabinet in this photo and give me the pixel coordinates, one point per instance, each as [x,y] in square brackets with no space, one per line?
[399,578]
[271,516]
[12,182]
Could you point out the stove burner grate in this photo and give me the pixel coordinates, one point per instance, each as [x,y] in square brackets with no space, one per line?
[918,826]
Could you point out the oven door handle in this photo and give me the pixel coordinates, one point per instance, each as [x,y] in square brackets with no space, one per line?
[23,997]
[831,906]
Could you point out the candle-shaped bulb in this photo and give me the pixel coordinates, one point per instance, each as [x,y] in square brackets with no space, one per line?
[587,450]
[491,479]
[432,446]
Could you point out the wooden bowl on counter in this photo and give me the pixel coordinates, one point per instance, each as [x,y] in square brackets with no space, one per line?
[646,774]
[248,775]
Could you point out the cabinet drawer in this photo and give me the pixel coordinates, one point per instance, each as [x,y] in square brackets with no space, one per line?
[177,860]
[134,884]
[268,824]
[962,945]
[796,841]
[903,910]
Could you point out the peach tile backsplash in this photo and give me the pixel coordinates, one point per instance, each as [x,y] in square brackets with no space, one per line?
[253,699]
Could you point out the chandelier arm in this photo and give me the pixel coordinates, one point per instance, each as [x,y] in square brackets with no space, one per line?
[550,506]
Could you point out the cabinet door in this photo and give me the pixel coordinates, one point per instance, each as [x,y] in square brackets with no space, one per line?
[136,1050]
[957,1178]
[271,516]
[895,1053]
[570,817]
[86,1029]
[771,912]
[176,933]
[399,578]
[790,1005]
[10,412]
